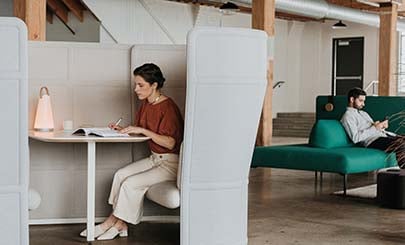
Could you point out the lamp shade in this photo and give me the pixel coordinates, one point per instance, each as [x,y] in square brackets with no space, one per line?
[44,115]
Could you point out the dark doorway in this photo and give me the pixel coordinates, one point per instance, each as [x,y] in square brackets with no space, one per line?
[347,67]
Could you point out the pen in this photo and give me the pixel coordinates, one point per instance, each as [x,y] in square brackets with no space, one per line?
[117,122]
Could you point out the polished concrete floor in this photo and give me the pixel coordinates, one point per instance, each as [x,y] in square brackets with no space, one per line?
[285,207]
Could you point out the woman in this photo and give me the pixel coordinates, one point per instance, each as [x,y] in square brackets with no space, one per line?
[160,119]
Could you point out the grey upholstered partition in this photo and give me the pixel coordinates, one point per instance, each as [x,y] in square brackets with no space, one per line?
[14,135]
[226,83]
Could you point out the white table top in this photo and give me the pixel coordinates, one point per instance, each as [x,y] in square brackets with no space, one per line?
[67,137]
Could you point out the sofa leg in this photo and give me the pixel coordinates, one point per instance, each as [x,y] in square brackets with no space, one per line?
[344,184]
[316,181]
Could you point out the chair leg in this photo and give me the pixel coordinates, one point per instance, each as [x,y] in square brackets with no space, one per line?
[316,181]
[321,176]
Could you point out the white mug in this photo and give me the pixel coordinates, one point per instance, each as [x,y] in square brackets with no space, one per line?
[67,125]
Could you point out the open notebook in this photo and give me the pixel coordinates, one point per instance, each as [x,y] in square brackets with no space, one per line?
[102,132]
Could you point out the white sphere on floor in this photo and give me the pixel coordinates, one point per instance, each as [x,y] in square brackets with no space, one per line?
[34,199]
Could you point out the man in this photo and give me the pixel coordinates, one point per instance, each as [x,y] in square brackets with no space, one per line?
[364,131]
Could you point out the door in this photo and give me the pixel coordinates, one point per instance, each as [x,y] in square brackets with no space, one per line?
[347,69]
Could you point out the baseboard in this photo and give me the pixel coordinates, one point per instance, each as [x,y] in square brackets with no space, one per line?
[161,219]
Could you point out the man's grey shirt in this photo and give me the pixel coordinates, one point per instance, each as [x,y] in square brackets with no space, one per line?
[360,126]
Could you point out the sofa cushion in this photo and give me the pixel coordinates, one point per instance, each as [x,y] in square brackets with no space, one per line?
[343,160]
[165,194]
[329,134]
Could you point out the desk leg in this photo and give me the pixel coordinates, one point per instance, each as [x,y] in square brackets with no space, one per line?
[91,178]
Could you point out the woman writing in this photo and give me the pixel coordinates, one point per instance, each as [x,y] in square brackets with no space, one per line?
[160,119]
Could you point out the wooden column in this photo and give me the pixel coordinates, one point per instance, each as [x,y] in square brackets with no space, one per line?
[387,62]
[263,18]
[33,13]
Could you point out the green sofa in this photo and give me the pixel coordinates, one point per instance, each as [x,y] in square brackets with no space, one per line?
[329,149]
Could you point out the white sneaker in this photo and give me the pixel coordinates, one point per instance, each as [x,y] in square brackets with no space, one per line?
[112,233]
[97,231]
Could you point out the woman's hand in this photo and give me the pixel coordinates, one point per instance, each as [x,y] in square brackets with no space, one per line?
[132,130]
[115,127]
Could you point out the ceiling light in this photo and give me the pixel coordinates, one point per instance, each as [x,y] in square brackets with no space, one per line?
[228,8]
[339,25]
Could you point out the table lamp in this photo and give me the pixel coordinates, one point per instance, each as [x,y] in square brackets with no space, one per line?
[44,116]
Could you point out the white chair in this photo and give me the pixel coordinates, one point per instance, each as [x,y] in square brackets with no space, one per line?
[167,193]
[34,199]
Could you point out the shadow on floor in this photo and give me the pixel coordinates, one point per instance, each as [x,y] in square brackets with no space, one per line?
[145,233]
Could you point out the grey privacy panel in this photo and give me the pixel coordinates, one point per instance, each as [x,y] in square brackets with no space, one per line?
[10,213]
[226,84]
[9,141]
[14,166]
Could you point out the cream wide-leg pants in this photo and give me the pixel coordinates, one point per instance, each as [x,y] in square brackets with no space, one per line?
[131,183]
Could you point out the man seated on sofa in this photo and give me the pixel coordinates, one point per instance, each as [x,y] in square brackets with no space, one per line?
[363,130]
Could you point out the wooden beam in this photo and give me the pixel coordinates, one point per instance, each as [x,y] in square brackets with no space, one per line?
[49,16]
[263,18]
[19,9]
[33,13]
[387,62]
[59,9]
[75,7]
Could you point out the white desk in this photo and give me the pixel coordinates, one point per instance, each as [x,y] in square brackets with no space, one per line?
[64,137]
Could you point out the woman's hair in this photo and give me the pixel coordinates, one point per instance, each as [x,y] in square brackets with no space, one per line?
[151,73]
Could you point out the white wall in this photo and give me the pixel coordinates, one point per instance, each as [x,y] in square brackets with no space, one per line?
[371,42]
[86,31]
[316,58]
[6,8]
[287,66]
[311,65]
[157,21]
[303,50]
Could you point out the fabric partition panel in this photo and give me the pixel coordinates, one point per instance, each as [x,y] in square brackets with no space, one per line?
[226,84]
[14,166]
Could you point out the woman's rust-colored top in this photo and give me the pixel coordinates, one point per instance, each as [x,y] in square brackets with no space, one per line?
[163,118]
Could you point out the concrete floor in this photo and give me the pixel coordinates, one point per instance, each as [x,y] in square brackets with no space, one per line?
[285,207]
